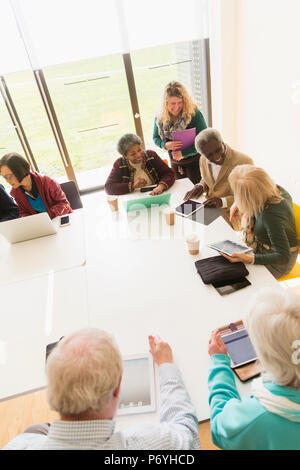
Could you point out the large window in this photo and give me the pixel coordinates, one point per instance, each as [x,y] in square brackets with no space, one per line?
[79,76]
[92,104]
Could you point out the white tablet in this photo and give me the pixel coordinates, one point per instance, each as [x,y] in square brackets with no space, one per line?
[228,247]
[138,385]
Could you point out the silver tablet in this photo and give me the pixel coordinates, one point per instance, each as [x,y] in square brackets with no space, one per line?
[228,247]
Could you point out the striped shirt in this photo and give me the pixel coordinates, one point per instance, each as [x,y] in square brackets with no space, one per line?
[177,429]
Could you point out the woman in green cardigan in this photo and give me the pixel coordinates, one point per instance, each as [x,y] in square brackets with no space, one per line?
[179,112]
[267,418]
[268,220]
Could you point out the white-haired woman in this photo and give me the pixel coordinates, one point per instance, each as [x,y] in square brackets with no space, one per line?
[179,112]
[268,220]
[268,419]
[137,168]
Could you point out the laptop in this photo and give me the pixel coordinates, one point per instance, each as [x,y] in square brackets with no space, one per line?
[27,228]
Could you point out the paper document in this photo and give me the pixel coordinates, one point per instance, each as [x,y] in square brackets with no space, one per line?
[187,137]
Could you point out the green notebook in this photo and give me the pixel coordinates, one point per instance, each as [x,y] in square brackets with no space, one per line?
[138,204]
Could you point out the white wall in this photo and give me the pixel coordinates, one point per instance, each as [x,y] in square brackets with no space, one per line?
[267,105]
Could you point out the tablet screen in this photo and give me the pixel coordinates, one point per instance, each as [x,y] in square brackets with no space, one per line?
[228,247]
[188,207]
[137,386]
[239,347]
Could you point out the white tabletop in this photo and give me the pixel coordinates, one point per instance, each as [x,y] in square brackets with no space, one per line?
[143,281]
[139,279]
[63,250]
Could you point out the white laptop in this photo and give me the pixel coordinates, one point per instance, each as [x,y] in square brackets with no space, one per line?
[27,228]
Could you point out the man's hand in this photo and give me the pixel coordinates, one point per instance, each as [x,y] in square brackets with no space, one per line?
[139,183]
[216,344]
[173,145]
[158,190]
[160,350]
[213,202]
[237,257]
[196,192]
[177,155]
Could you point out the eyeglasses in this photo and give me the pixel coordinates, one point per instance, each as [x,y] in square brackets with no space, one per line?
[8,177]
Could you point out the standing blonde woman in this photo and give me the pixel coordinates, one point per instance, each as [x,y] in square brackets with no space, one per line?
[179,112]
[268,220]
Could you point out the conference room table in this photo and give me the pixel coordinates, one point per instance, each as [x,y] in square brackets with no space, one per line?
[138,279]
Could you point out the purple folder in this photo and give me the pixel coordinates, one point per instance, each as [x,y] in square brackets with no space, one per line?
[187,137]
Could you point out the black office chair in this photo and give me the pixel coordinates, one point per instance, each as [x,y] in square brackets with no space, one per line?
[72,194]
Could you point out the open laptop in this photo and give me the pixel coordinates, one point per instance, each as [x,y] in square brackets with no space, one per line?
[27,228]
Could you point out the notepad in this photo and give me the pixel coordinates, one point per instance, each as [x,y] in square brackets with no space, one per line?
[145,202]
[187,137]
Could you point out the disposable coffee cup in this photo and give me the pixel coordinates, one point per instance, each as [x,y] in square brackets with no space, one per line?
[193,243]
[113,203]
[169,214]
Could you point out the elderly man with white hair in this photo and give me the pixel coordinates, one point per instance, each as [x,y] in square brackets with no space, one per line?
[84,374]
[269,419]
[216,163]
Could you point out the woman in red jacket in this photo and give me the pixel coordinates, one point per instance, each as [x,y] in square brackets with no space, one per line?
[137,168]
[34,193]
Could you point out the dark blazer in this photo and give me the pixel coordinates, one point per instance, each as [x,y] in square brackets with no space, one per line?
[8,209]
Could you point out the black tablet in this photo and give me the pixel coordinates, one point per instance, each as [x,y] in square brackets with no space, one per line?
[239,347]
[188,208]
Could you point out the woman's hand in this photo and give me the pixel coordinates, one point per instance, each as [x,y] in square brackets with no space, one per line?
[234,212]
[173,145]
[158,190]
[216,344]
[177,155]
[237,257]
[139,183]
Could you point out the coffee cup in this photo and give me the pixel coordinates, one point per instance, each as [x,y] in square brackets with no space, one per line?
[193,243]
[169,214]
[113,203]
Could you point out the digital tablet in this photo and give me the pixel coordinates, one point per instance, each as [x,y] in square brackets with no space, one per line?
[138,385]
[239,347]
[228,247]
[188,208]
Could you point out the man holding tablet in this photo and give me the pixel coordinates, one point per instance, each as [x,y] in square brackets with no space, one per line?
[216,163]
[84,372]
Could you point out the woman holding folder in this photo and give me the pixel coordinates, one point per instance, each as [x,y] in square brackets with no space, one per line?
[179,113]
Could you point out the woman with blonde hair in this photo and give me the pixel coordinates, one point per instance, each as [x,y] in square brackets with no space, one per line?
[179,112]
[268,418]
[268,220]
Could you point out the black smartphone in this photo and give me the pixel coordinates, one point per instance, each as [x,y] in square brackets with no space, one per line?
[145,189]
[233,287]
[65,220]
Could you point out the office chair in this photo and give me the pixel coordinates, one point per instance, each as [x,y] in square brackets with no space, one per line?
[72,194]
[295,272]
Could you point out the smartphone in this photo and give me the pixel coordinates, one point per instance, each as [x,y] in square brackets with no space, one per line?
[227,288]
[65,220]
[145,189]
[51,346]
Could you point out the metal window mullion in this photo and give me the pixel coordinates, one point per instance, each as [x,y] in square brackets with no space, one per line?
[17,123]
[133,96]
[50,116]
